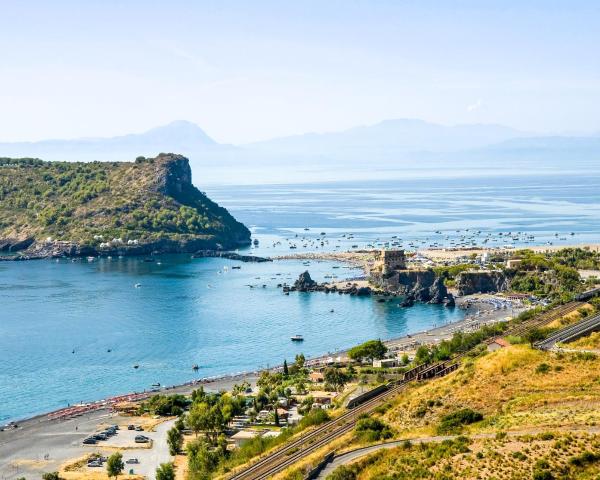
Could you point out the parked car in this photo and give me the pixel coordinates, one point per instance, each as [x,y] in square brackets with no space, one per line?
[141,439]
[139,428]
[94,463]
[132,460]
[89,441]
[130,427]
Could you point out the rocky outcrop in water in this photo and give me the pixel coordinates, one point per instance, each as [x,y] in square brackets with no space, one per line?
[468,283]
[305,283]
[230,256]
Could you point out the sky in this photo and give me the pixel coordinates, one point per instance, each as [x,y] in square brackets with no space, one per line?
[253,70]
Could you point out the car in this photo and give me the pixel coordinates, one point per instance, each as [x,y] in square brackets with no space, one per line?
[100,436]
[94,463]
[132,460]
[141,439]
[89,441]
[139,428]
[130,427]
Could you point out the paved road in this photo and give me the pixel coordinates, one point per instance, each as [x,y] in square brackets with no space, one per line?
[349,457]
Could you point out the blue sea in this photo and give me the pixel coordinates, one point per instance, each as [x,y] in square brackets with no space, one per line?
[59,319]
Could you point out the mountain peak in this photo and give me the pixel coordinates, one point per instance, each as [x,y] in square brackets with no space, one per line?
[180,130]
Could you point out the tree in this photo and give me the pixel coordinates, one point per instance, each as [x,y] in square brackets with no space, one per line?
[373,349]
[115,465]
[51,476]
[335,377]
[286,371]
[276,417]
[174,440]
[165,472]
[534,336]
[300,359]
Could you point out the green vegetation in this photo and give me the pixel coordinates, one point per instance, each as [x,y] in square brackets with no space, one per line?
[373,349]
[115,465]
[208,455]
[96,202]
[370,429]
[174,440]
[453,422]
[51,476]
[553,274]
[164,405]
[459,343]
[165,472]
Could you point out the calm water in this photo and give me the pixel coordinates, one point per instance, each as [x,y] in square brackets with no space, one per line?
[197,311]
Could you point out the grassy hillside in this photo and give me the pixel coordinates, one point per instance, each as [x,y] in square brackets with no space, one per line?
[93,203]
[517,413]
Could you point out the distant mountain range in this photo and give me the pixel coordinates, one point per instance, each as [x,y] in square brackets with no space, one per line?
[175,137]
[392,145]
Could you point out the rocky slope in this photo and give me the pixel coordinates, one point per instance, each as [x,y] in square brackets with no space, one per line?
[72,209]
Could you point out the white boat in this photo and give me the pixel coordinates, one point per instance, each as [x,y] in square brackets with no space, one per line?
[297,338]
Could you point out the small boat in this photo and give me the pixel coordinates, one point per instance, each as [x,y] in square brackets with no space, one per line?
[137,285]
[149,260]
[297,338]
[155,384]
[195,367]
[236,267]
[136,366]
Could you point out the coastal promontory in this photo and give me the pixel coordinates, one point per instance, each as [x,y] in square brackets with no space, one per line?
[86,208]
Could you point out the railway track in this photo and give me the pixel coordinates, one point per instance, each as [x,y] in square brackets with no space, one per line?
[545,318]
[312,441]
[305,444]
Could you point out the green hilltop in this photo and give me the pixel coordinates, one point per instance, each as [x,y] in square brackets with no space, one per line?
[133,207]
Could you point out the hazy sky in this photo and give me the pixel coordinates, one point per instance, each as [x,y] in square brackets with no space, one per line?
[252,70]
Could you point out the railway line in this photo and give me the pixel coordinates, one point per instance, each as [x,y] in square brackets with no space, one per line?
[572,332]
[307,443]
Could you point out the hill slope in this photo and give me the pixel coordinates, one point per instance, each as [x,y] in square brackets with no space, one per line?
[129,208]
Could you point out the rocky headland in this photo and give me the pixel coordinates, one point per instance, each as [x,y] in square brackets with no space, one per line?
[150,206]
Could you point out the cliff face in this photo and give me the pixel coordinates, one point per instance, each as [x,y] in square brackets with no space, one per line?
[468,283]
[173,174]
[416,285]
[126,208]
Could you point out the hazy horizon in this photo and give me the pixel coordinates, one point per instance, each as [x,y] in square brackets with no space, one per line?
[252,72]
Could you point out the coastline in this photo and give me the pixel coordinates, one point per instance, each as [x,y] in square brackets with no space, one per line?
[61,436]
[226,381]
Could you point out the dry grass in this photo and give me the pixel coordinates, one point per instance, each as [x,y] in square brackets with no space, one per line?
[504,458]
[572,317]
[591,342]
[506,387]
[77,469]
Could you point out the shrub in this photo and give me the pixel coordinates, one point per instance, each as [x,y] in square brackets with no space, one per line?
[453,422]
[542,368]
[372,429]
[314,417]
[342,473]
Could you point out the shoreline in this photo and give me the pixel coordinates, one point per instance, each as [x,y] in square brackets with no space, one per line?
[227,380]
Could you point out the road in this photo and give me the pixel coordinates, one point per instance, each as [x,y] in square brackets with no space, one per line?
[570,333]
